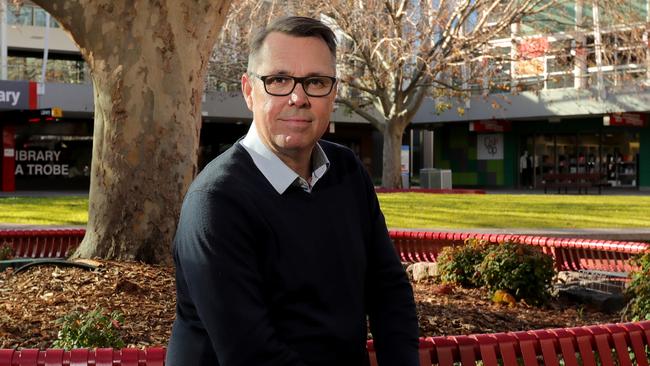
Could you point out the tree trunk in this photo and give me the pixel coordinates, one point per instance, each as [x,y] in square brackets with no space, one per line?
[392,149]
[147,60]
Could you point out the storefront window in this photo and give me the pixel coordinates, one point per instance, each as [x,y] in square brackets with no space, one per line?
[53,161]
[544,156]
[620,151]
[567,154]
[614,153]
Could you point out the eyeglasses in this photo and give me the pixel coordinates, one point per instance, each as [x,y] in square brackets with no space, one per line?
[283,85]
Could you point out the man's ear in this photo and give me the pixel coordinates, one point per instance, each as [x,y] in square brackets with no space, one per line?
[247,90]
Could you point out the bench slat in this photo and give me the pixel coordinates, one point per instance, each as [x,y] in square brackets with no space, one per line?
[79,357]
[130,357]
[28,357]
[6,356]
[54,357]
[603,345]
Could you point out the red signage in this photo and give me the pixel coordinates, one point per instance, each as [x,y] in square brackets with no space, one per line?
[532,48]
[626,119]
[8,160]
[490,126]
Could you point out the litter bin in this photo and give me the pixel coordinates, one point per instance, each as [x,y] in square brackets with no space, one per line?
[435,178]
[406,184]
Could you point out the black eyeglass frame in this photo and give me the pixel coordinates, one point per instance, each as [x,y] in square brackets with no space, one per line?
[296,81]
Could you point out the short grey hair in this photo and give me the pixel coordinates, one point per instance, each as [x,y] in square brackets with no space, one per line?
[293,26]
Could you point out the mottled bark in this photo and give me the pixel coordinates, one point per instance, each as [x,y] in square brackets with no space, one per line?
[147,60]
[391,176]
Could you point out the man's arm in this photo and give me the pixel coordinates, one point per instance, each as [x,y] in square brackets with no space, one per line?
[217,263]
[390,303]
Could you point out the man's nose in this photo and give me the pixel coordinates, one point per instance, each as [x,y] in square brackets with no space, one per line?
[298,97]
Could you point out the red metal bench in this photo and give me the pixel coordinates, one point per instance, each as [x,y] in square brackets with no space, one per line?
[42,243]
[607,345]
[413,246]
[83,357]
[570,254]
[611,344]
[579,181]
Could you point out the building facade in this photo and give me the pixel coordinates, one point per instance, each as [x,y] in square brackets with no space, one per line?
[42,151]
[572,98]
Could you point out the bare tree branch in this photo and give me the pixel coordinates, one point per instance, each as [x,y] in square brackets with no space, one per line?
[379,125]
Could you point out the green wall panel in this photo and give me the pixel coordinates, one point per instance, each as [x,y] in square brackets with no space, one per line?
[510,157]
[644,159]
[464,179]
[455,149]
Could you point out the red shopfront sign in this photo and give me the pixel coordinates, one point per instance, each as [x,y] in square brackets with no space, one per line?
[626,119]
[8,129]
[490,126]
[8,159]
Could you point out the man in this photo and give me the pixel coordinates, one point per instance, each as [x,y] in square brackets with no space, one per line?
[281,250]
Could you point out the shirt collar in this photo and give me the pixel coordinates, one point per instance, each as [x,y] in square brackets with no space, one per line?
[275,170]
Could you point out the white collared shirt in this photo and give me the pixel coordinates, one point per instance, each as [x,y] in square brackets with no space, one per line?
[275,170]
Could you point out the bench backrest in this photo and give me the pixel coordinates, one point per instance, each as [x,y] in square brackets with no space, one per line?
[413,246]
[569,253]
[45,243]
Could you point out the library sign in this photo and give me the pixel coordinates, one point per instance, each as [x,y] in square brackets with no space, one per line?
[40,163]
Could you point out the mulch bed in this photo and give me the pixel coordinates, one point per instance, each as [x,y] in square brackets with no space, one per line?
[32,300]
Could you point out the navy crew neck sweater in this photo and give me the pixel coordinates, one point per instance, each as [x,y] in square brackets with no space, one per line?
[287,279]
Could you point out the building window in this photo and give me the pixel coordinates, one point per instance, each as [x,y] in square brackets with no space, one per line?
[28,15]
[29,68]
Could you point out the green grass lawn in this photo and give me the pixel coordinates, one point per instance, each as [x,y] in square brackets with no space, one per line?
[415,210]
[421,210]
[44,210]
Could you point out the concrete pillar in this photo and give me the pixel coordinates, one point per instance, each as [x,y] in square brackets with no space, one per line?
[427,149]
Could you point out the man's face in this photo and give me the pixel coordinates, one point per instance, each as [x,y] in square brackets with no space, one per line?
[290,125]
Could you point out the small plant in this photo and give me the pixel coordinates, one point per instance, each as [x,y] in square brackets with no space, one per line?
[638,291]
[90,330]
[457,264]
[6,252]
[520,270]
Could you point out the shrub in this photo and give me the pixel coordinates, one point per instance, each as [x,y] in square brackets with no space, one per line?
[90,330]
[638,291]
[457,264]
[520,270]
[5,251]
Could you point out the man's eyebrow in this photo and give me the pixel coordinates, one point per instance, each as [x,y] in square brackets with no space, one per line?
[284,72]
